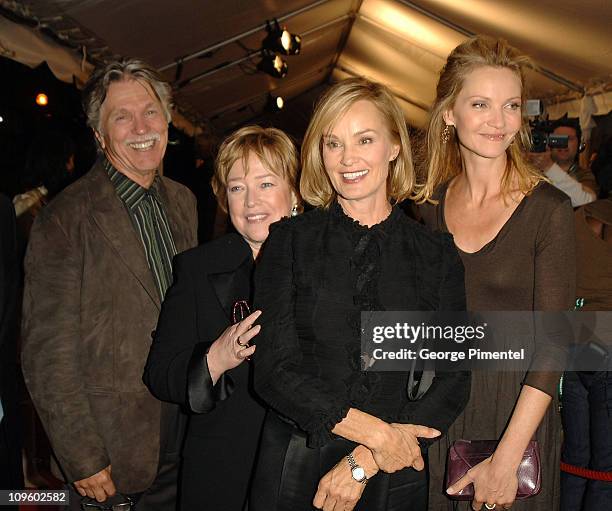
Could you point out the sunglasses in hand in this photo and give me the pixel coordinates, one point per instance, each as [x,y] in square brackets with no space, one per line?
[115,503]
[240,311]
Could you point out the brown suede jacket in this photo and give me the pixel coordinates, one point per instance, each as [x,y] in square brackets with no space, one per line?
[90,305]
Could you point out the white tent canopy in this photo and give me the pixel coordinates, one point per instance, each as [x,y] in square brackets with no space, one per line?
[27,46]
[209,49]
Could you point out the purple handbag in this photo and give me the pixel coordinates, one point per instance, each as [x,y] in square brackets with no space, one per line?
[465,454]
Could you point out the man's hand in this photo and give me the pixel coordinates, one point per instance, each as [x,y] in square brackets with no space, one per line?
[99,486]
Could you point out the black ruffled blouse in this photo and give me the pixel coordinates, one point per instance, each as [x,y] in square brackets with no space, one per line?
[318,272]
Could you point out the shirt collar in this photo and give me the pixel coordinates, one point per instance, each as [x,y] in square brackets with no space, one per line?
[130,192]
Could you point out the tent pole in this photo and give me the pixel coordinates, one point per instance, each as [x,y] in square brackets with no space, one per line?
[395,92]
[251,54]
[257,97]
[235,38]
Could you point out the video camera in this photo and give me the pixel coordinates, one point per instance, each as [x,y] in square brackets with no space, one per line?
[541,129]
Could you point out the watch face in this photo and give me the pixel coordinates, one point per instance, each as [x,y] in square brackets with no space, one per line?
[358,474]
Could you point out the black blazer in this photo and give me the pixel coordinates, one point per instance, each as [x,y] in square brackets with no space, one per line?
[223,430]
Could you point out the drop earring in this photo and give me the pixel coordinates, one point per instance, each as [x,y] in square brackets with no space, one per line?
[446,134]
[294,210]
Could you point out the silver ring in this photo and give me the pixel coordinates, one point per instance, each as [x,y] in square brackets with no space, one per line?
[490,506]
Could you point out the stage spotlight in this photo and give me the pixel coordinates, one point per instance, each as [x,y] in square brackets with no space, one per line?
[275,103]
[281,40]
[1,119]
[42,99]
[272,64]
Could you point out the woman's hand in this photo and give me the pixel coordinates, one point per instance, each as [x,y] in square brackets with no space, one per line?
[494,479]
[495,483]
[397,447]
[337,490]
[410,432]
[232,347]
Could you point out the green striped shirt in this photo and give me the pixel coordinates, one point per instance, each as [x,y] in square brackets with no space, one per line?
[149,219]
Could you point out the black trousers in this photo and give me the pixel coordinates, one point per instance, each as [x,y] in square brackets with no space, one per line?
[11,473]
[587,426]
[288,472]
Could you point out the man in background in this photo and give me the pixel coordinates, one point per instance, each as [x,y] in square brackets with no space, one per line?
[560,165]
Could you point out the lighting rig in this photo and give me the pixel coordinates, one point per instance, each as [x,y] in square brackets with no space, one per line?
[279,41]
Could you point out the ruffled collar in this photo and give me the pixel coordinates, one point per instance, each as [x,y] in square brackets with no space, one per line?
[354,227]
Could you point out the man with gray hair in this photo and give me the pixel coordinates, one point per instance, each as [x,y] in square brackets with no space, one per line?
[97,268]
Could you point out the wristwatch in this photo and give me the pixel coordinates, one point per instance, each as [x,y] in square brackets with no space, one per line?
[357,472]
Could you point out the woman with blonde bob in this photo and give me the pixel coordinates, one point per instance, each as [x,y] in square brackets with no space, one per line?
[332,427]
[202,340]
[514,232]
